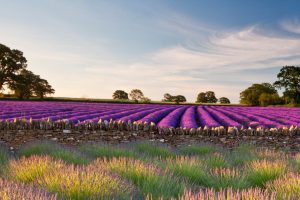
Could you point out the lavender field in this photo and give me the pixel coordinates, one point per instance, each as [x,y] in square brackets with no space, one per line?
[185,116]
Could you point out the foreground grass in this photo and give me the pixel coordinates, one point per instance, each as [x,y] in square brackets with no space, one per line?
[153,150]
[106,151]
[54,150]
[10,190]
[148,171]
[148,178]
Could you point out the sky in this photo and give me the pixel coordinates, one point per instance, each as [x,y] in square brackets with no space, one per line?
[90,48]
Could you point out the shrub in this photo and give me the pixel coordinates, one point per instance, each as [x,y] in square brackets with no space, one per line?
[10,190]
[288,185]
[216,160]
[226,177]
[85,182]
[148,178]
[191,169]
[261,171]
[29,169]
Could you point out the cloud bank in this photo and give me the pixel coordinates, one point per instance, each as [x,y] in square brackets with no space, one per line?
[225,61]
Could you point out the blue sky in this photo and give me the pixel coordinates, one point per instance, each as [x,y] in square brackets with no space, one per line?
[91,48]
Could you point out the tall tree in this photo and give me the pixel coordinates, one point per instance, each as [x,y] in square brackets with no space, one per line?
[41,87]
[179,98]
[206,97]
[167,97]
[12,62]
[269,99]
[250,96]
[27,84]
[120,94]
[22,84]
[211,98]
[224,100]
[289,79]
[201,98]
[136,95]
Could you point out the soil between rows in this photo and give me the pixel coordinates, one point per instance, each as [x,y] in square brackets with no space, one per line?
[14,138]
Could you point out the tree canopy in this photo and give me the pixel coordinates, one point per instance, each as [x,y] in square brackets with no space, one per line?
[289,79]
[206,97]
[136,95]
[120,94]
[27,84]
[224,100]
[177,98]
[251,95]
[14,74]
[12,62]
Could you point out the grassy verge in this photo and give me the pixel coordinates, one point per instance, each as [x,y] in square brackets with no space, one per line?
[146,170]
[54,150]
[106,151]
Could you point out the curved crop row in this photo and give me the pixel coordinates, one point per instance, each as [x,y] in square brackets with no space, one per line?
[163,115]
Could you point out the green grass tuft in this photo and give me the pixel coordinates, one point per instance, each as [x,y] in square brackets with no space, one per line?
[100,151]
[262,171]
[53,150]
[191,169]
[29,169]
[216,160]
[85,182]
[242,155]
[199,150]
[153,150]
[222,178]
[148,178]
[4,157]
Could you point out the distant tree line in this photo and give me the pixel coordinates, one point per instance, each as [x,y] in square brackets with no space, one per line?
[176,99]
[210,97]
[15,75]
[265,94]
[136,95]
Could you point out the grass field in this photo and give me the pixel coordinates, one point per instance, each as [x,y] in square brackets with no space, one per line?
[145,170]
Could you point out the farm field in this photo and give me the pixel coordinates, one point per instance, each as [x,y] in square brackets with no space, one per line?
[185,116]
[145,170]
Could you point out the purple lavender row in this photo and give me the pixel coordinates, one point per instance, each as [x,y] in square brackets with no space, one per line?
[206,119]
[267,121]
[245,121]
[33,114]
[273,118]
[138,115]
[118,115]
[98,115]
[188,119]
[156,116]
[284,114]
[172,119]
[221,118]
[279,116]
[264,122]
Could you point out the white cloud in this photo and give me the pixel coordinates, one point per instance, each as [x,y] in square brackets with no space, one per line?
[292,26]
